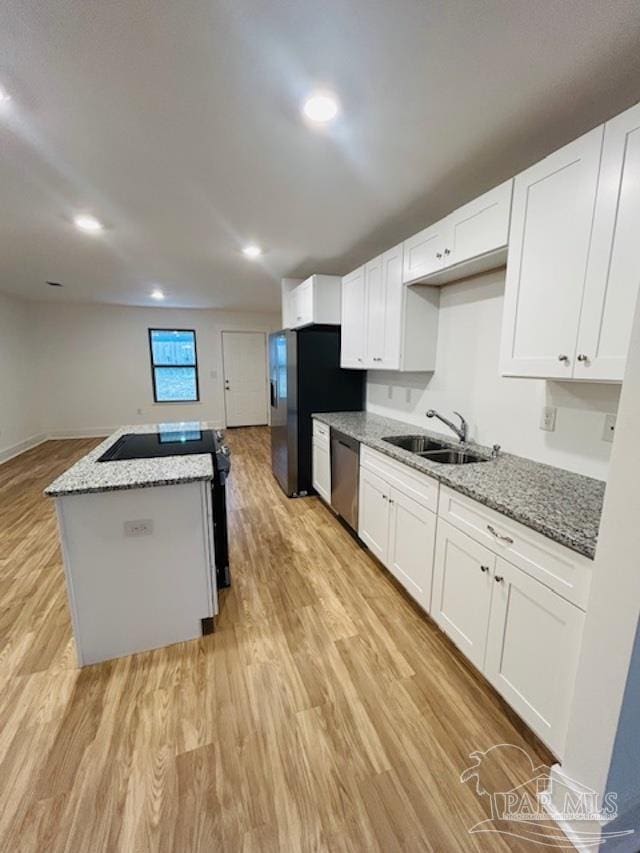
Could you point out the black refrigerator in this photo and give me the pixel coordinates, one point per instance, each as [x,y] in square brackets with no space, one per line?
[305,377]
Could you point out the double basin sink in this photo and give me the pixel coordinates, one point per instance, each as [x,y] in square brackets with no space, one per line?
[436,451]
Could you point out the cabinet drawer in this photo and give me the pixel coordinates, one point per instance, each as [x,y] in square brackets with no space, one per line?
[320,430]
[414,484]
[559,568]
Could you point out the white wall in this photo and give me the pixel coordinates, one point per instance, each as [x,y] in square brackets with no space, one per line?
[95,372]
[499,410]
[20,421]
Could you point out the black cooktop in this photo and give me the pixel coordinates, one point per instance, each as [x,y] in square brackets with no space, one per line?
[169,442]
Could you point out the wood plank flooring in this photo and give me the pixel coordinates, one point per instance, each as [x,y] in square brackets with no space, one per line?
[326,713]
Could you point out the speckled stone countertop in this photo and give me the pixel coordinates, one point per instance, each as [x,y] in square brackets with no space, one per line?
[90,476]
[564,506]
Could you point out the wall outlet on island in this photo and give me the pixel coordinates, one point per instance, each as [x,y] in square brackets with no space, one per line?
[141,527]
[609,428]
[548,418]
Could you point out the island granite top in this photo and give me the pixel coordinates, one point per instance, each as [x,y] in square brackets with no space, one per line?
[563,506]
[88,476]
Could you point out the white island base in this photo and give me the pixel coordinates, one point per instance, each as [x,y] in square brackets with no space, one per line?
[140,567]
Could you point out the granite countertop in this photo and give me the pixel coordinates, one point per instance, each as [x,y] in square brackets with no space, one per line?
[90,476]
[562,505]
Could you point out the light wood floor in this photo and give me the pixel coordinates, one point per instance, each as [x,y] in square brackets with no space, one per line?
[325,713]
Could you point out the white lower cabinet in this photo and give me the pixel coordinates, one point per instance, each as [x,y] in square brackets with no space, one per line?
[523,636]
[462,587]
[321,461]
[399,530]
[373,514]
[532,651]
[412,532]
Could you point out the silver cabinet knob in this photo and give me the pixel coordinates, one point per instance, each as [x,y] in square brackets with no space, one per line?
[498,578]
[564,358]
[438,254]
[583,357]
[484,568]
[447,251]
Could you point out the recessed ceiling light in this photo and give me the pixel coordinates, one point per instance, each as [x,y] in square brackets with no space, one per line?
[157,294]
[252,251]
[321,107]
[89,224]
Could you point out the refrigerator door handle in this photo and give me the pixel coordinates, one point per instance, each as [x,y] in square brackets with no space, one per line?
[274,395]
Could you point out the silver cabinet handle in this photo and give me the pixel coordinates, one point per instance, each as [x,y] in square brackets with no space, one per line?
[377,359]
[498,578]
[438,254]
[484,568]
[447,251]
[385,498]
[564,358]
[583,357]
[499,536]
[391,500]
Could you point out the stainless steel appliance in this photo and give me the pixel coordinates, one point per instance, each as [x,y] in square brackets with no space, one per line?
[345,470]
[305,377]
[184,440]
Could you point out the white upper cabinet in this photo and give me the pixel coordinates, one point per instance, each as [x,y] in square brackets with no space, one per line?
[553,209]
[386,326]
[572,274]
[613,274]
[424,252]
[354,315]
[315,300]
[470,240]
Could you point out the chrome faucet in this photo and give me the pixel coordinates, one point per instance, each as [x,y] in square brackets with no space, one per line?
[461,431]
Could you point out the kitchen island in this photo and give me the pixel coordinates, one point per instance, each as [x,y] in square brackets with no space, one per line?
[138,547]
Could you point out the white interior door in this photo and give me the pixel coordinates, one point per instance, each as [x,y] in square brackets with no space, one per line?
[244,356]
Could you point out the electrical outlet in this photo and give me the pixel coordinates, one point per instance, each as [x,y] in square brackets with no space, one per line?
[142,527]
[548,418]
[609,427]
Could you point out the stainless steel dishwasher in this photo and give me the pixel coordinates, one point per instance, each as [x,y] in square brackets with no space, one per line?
[345,469]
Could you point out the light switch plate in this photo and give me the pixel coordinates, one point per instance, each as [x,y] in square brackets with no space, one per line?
[141,527]
[609,428]
[548,418]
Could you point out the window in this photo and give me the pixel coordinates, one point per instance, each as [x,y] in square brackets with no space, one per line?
[174,365]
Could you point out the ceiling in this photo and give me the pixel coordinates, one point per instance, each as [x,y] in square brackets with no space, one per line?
[178,125]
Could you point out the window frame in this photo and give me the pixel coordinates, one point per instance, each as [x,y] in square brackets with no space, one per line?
[178,366]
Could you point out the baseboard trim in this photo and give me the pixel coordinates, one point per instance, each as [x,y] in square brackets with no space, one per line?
[60,435]
[22,447]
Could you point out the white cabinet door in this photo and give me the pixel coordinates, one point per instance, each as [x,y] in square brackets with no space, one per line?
[353,339]
[394,296]
[552,216]
[424,252]
[614,271]
[532,651]
[375,316]
[462,587]
[303,303]
[412,531]
[373,514]
[479,227]
[321,466]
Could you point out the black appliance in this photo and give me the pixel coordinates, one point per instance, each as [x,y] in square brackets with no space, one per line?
[179,440]
[305,377]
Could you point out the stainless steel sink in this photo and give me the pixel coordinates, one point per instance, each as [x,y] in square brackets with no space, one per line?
[453,457]
[436,451]
[416,443]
